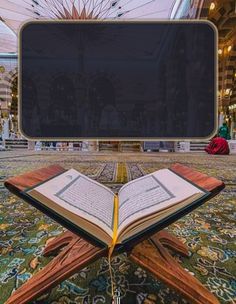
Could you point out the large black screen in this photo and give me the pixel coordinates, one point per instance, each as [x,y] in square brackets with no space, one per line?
[117,79]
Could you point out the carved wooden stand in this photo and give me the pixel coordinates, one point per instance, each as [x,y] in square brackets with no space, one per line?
[74,253]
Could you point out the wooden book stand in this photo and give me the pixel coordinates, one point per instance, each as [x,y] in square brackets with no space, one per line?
[74,253]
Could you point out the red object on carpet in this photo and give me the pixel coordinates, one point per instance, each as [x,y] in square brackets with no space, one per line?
[218,145]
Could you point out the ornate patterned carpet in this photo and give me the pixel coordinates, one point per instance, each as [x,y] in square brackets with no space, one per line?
[209,232]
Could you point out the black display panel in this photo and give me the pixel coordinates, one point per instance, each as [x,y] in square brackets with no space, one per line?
[104,79]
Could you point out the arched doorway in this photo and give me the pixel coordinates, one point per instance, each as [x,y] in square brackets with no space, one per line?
[63,92]
[102,100]
[101,95]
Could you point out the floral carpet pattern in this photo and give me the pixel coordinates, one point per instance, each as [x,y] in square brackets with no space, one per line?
[209,232]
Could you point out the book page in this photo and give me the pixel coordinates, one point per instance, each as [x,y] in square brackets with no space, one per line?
[150,194]
[83,196]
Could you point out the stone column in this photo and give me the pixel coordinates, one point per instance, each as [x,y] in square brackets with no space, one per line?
[31,145]
[221,119]
[5,131]
[92,146]
[84,146]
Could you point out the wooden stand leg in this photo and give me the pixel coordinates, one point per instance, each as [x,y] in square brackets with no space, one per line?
[59,242]
[73,258]
[153,256]
[157,260]
[170,241]
[163,266]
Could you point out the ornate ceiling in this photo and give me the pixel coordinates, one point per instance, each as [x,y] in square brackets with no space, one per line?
[7,39]
[223,15]
[15,12]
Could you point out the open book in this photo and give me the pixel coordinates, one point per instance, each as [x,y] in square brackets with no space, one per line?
[116,218]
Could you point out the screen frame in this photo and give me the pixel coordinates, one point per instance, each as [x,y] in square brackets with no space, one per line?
[86,21]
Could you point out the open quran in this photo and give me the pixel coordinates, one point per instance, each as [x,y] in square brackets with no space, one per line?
[87,207]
